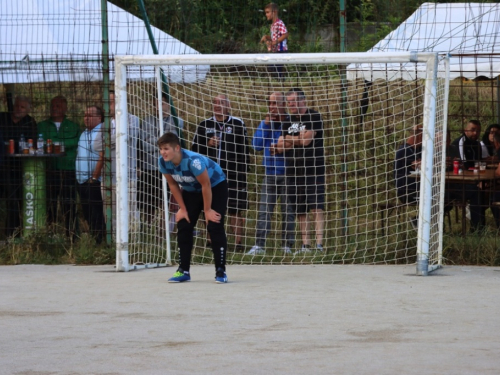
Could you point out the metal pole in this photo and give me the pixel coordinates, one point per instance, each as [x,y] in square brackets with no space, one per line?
[107,150]
[122,212]
[426,174]
[342,14]
[344,120]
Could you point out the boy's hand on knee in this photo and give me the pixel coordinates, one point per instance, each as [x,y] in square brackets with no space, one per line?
[181,214]
[211,215]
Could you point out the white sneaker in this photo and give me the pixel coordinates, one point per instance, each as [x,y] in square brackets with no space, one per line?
[287,250]
[256,250]
[303,250]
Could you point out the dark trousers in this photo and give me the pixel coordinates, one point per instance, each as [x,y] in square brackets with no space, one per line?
[495,197]
[92,208]
[471,193]
[274,188]
[276,71]
[194,206]
[13,196]
[61,199]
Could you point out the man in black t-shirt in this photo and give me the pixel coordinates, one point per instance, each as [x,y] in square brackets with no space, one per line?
[14,124]
[302,144]
[223,138]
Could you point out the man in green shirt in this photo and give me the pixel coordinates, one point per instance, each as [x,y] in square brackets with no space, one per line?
[61,179]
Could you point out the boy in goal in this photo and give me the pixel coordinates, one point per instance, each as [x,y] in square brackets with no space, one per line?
[204,187]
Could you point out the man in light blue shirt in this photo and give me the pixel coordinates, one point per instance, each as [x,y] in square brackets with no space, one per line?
[88,172]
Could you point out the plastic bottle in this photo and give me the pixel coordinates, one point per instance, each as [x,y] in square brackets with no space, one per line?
[30,147]
[22,143]
[50,148]
[40,145]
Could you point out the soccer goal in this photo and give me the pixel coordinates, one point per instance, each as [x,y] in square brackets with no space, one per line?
[369,105]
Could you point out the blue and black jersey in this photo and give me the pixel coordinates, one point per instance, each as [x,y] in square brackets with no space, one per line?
[191,166]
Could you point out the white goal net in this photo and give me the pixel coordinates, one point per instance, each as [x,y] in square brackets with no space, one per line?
[364,107]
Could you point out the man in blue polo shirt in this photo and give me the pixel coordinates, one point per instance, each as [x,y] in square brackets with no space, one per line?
[274,184]
[204,187]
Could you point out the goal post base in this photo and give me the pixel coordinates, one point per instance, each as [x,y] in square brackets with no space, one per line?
[422,265]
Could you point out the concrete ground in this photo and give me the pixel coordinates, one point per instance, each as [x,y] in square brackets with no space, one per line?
[266,320]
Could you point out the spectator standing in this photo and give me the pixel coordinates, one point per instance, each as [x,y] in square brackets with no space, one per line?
[302,142]
[132,140]
[88,172]
[150,187]
[276,42]
[274,185]
[61,180]
[223,138]
[13,125]
[204,187]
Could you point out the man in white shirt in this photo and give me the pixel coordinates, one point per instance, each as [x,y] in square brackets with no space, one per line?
[88,173]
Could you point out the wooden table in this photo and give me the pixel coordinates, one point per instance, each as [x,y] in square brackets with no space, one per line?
[471,177]
[467,177]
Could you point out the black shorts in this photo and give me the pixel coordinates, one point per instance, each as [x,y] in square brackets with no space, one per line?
[238,197]
[306,193]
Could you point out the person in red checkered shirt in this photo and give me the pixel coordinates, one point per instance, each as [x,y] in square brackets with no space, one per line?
[277,41]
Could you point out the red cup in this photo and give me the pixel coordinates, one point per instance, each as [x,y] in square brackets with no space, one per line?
[456,166]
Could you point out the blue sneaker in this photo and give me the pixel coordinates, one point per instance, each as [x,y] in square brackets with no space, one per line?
[180,276]
[220,277]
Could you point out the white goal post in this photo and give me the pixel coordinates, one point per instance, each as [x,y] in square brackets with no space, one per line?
[369,103]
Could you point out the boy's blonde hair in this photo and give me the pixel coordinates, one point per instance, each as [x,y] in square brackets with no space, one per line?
[273,7]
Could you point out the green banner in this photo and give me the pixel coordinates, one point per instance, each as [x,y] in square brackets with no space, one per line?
[34,206]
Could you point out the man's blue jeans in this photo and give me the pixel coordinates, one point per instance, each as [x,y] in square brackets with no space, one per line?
[272,188]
